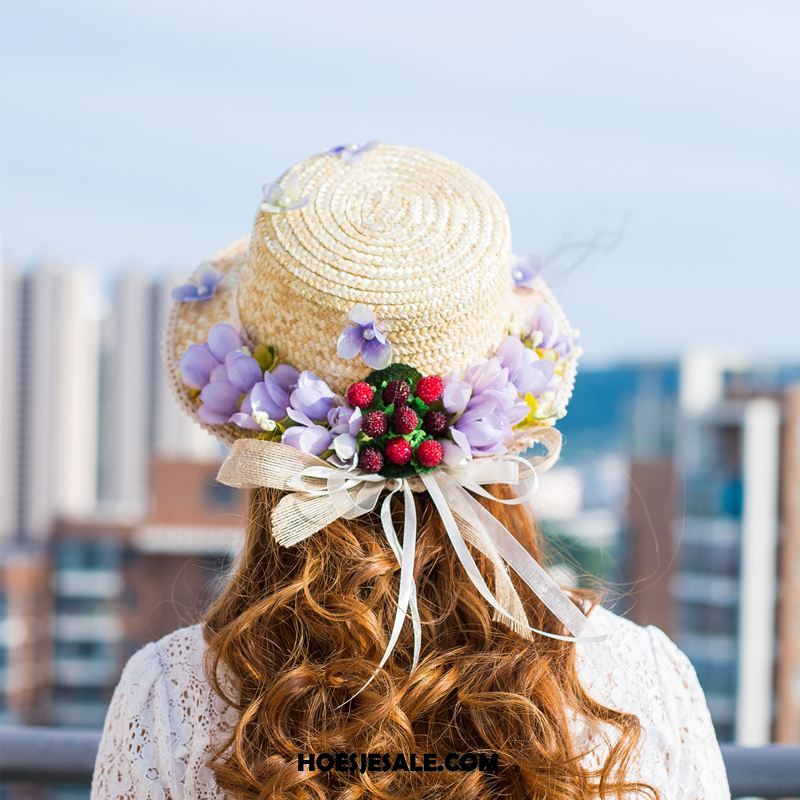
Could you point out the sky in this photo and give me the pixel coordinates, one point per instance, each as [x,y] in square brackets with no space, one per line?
[137,135]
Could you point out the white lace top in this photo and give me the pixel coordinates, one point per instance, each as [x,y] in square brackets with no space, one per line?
[163,715]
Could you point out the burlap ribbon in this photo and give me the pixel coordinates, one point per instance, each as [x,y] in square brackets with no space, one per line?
[317,493]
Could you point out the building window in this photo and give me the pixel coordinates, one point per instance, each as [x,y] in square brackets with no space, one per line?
[87,554]
[710,619]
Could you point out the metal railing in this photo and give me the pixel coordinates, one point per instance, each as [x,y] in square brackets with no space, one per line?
[66,755]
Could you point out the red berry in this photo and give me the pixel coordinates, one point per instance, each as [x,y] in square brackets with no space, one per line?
[375,423]
[430,453]
[370,459]
[404,420]
[429,388]
[360,394]
[396,392]
[398,451]
[434,423]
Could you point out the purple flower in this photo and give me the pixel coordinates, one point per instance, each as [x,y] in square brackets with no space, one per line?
[242,370]
[529,373]
[202,286]
[229,386]
[278,199]
[489,406]
[345,423]
[363,336]
[223,338]
[458,451]
[485,426]
[268,400]
[307,435]
[525,270]
[201,363]
[546,331]
[312,396]
[196,366]
[220,400]
[352,153]
[223,371]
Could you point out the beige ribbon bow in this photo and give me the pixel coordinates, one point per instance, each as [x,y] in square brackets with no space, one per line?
[317,493]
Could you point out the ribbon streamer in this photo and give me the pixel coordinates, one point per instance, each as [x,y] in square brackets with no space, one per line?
[318,493]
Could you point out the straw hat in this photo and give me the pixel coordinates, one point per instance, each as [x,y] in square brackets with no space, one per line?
[415,238]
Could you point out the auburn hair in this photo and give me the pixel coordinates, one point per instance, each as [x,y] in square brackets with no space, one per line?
[299,630]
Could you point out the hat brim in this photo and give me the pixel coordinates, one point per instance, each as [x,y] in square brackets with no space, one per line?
[189,323]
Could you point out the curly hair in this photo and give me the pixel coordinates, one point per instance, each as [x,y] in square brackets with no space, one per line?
[297,631]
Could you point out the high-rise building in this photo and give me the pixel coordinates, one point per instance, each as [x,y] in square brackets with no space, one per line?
[714,542]
[138,416]
[9,403]
[49,335]
[127,396]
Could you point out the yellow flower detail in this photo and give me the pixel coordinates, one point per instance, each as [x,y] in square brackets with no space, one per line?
[265,355]
[547,353]
[533,405]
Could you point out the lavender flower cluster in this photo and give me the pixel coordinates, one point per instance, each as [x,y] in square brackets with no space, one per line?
[247,389]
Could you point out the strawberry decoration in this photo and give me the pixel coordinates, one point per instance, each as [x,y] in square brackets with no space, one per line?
[404,420]
[375,423]
[398,451]
[430,453]
[434,423]
[429,389]
[370,459]
[396,392]
[360,395]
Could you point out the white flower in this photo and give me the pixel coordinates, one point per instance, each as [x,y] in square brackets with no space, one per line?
[278,199]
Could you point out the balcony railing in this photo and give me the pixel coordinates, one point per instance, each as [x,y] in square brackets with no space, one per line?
[36,755]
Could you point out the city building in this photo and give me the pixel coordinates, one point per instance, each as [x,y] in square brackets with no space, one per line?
[619,414]
[787,677]
[89,596]
[119,583]
[25,635]
[49,339]
[138,416]
[727,564]
[651,550]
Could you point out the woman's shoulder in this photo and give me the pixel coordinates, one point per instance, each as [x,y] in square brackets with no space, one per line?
[175,661]
[184,647]
[637,668]
[167,679]
[180,650]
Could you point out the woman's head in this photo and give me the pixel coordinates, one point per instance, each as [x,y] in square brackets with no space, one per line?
[297,631]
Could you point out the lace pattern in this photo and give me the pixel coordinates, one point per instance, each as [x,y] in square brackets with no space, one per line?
[164,715]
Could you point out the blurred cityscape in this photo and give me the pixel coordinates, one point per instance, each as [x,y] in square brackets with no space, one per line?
[679,489]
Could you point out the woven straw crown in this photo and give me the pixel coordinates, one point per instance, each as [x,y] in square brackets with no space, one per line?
[416,237]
